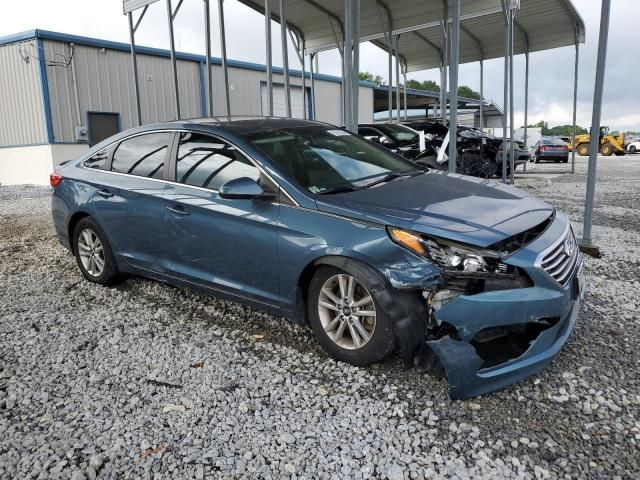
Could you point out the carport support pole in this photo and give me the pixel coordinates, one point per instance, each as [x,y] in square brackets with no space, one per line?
[442,97]
[512,165]
[404,82]
[285,58]
[346,60]
[313,85]
[506,93]
[453,91]
[575,104]
[172,48]
[223,48]
[389,37]
[526,105]
[134,64]
[481,123]
[267,34]
[443,86]
[395,45]
[207,40]
[355,38]
[305,113]
[595,127]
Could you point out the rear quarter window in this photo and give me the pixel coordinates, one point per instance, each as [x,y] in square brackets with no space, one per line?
[99,160]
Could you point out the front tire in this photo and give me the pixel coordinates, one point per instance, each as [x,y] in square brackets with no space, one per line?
[93,253]
[606,149]
[346,318]
[632,149]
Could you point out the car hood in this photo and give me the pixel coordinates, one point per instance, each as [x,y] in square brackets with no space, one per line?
[464,209]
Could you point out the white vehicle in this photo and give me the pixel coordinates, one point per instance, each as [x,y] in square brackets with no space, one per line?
[634,146]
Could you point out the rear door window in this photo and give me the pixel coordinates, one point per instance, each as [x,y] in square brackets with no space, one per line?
[209,162]
[142,155]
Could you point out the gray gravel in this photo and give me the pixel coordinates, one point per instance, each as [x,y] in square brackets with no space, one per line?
[148,381]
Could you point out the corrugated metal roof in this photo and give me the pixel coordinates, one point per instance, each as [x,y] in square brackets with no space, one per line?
[544,23]
[313,18]
[540,25]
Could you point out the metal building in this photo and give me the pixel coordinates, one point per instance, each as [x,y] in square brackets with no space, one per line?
[61,93]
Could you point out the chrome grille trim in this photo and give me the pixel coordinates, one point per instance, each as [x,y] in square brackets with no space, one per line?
[555,262]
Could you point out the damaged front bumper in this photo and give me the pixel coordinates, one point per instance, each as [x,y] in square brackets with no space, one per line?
[489,340]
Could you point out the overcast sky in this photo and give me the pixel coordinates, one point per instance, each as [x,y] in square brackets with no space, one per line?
[551,72]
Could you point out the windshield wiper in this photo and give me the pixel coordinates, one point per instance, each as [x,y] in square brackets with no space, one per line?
[393,176]
[340,189]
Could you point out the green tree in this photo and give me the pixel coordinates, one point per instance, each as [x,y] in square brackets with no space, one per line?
[370,77]
[468,92]
[428,85]
[558,130]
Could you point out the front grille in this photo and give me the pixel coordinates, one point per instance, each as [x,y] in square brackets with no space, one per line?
[516,242]
[563,260]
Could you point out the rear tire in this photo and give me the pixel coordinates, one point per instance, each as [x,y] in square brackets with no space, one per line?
[93,253]
[349,327]
[632,149]
[583,149]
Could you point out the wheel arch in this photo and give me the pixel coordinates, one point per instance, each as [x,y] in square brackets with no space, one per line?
[406,308]
[350,265]
[73,221]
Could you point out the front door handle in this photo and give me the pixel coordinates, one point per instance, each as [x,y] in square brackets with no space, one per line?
[178,210]
[105,193]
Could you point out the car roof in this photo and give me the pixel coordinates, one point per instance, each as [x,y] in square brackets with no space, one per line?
[238,125]
[247,124]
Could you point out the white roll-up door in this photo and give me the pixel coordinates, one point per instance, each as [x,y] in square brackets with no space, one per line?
[279,108]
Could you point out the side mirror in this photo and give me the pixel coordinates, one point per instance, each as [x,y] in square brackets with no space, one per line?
[385,141]
[242,188]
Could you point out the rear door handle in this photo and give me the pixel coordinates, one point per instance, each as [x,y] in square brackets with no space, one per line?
[178,210]
[105,193]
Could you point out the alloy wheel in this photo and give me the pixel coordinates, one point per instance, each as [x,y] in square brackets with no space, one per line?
[347,311]
[91,252]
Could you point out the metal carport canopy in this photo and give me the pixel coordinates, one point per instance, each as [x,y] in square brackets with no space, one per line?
[539,25]
[320,21]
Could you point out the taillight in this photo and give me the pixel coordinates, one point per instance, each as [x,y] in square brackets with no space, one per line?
[55,179]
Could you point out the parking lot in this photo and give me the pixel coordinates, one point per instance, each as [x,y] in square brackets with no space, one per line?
[149,381]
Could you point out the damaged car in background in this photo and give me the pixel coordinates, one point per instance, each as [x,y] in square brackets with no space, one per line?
[303,219]
[479,153]
[400,139]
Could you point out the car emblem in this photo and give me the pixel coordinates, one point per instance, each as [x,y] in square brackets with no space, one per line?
[568,247]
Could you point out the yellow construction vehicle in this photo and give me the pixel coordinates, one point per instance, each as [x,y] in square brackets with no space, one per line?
[608,143]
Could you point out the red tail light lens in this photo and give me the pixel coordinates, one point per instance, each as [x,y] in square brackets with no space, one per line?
[55,179]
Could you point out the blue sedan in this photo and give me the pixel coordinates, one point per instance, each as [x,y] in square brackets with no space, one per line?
[311,222]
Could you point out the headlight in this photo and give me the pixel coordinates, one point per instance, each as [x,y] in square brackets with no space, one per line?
[448,255]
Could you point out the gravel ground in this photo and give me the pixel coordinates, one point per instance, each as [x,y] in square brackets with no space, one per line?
[148,381]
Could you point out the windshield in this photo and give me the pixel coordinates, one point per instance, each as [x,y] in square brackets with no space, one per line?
[399,133]
[329,160]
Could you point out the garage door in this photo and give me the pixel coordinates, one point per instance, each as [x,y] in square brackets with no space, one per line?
[279,108]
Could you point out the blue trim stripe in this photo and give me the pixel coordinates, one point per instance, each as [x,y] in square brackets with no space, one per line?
[44,84]
[203,95]
[158,52]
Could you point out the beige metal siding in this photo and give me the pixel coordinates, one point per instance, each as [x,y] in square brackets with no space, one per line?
[21,108]
[105,84]
[244,93]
